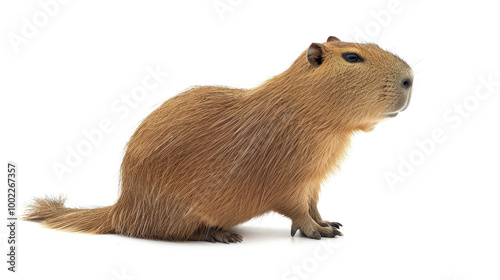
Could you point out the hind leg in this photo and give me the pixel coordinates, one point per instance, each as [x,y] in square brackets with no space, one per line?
[215,235]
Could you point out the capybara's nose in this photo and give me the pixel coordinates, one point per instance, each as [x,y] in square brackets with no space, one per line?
[407,83]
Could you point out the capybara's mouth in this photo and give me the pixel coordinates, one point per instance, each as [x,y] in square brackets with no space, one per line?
[404,102]
[407,102]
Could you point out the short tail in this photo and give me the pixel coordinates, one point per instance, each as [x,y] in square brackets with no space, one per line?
[50,211]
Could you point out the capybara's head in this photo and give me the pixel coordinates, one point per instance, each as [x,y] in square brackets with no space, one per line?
[367,82]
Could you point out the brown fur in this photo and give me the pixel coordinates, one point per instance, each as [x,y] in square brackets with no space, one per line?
[213,157]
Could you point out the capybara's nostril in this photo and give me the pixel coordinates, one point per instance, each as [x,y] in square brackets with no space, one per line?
[407,83]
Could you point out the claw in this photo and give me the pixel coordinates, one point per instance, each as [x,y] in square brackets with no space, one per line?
[238,238]
[335,224]
[336,232]
[210,239]
[316,235]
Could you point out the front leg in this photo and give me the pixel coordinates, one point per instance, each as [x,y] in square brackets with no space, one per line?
[302,220]
[313,211]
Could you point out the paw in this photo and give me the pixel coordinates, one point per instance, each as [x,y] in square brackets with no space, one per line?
[224,236]
[318,232]
[330,231]
[313,234]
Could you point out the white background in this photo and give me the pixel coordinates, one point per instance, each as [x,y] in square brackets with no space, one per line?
[440,222]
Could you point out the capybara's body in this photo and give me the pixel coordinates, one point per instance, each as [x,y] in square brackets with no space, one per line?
[213,157]
[218,157]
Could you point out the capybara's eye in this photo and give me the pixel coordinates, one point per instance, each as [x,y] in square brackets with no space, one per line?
[352,57]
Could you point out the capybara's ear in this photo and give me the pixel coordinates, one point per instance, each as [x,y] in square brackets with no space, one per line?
[332,38]
[315,54]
